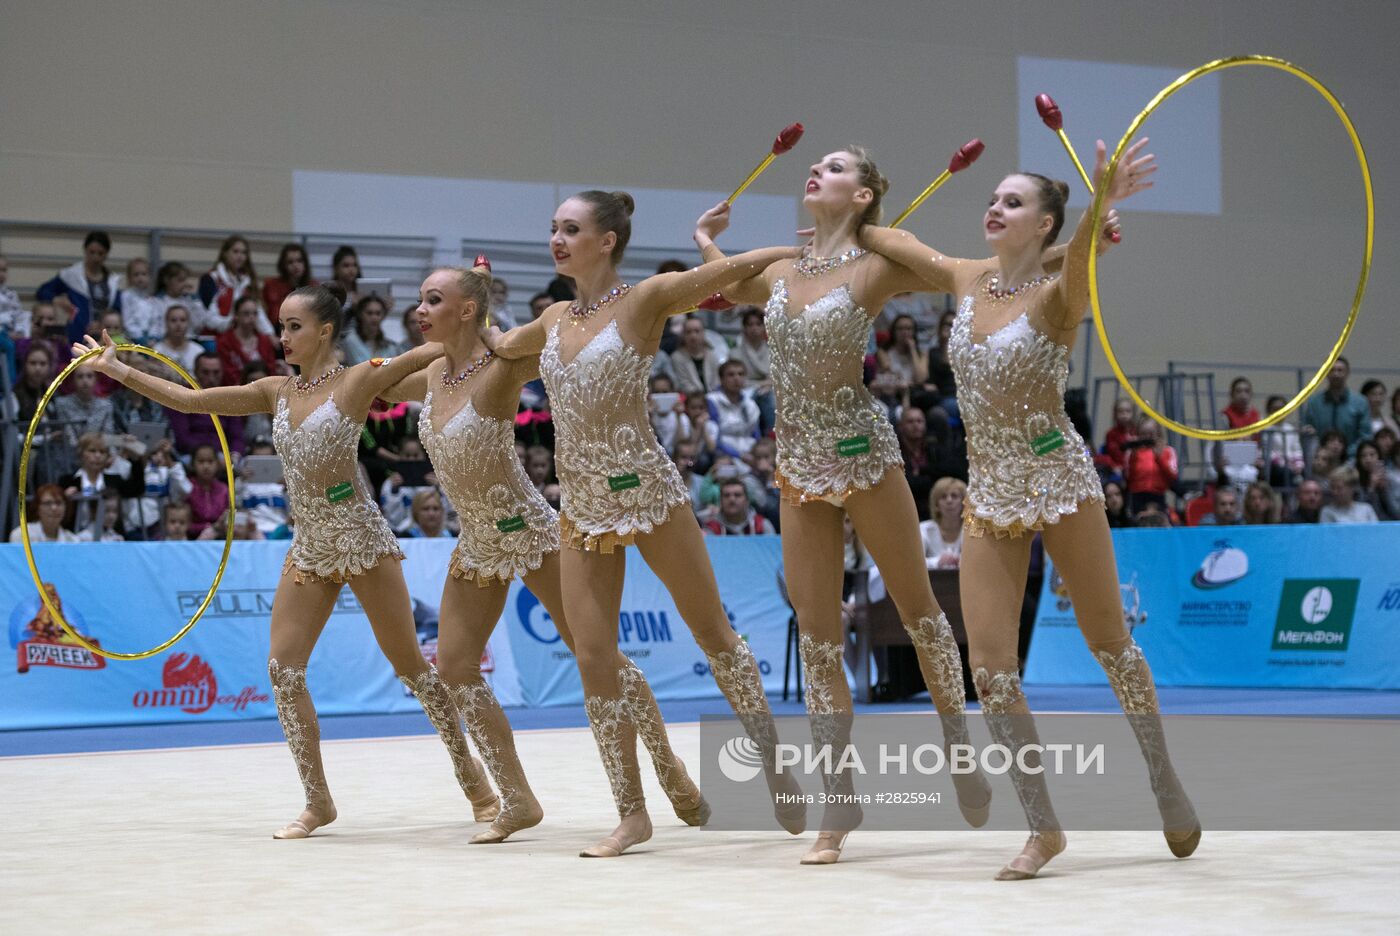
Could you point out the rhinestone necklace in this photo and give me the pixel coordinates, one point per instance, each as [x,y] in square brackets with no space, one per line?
[809,266]
[578,314]
[451,383]
[306,386]
[996,293]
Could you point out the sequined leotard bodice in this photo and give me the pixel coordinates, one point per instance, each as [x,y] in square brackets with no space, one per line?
[615,478]
[1027,466]
[340,531]
[507,527]
[833,437]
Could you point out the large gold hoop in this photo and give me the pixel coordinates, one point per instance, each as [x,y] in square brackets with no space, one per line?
[24,525]
[1106,183]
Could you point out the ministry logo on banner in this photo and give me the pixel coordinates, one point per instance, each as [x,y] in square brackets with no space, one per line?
[1316,614]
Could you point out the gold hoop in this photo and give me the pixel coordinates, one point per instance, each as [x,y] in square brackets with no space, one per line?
[24,526]
[1097,217]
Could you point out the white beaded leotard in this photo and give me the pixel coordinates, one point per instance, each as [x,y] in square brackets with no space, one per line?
[507,526]
[340,531]
[615,479]
[833,437]
[1027,466]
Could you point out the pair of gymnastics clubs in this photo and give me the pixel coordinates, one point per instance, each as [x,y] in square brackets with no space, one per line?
[965,156]
[1050,115]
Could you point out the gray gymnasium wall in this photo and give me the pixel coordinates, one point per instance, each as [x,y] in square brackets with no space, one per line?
[198,114]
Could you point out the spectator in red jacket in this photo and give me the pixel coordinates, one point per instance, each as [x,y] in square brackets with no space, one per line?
[1113,459]
[1151,468]
[244,343]
[293,272]
[1241,411]
[736,517]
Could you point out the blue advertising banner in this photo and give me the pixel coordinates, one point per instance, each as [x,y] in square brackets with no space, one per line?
[130,596]
[1251,606]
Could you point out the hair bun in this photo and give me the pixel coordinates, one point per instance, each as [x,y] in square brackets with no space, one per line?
[336,290]
[628,203]
[1063,188]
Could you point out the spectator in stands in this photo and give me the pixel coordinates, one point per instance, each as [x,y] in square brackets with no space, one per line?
[538,303]
[111,531]
[412,334]
[50,506]
[1115,504]
[383,437]
[733,412]
[551,493]
[345,270]
[1374,392]
[429,516]
[88,287]
[243,343]
[1261,505]
[165,480]
[265,502]
[922,464]
[365,338]
[684,457]
[175,286]
[1240,410]
[704,435]
[176,343]
[942,532]
[1151,467]
[753,351]
[244,528]
[175,521]
[1112,459]
[232,278]
[1375,487]
[143,313]
[1345,508]
[84,488]
[885,388]
[82,411]
[1385,441]
[940,372]
[293,272]
[666,410]
[14,319]
[1283,446]
[736,517]
[901,356]
[35,372]
[1307,503]
[501,313]
[1152,516]
[1330,454]
[763,486]
[192,430]
[1338,408]
[208,497]
[695,363]
[1225,508]
[539,466]
[129,407]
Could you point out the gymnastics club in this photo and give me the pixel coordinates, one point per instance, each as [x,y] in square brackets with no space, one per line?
[965,156]
[1050,115]
[787,139]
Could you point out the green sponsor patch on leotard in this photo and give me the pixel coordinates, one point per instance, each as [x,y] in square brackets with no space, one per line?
[856,445]
[1044,445]
[511,524]
[623,482]
[339,492]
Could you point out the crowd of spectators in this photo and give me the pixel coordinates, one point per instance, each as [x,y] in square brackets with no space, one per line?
[109,464]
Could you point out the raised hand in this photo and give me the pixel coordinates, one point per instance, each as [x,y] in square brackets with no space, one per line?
[1131,174]
[104,363]
[714,222]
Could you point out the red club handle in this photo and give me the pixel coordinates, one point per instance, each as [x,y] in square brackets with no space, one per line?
[482,261]
[966,155]
[1049,111]
[717,302]
[787,138]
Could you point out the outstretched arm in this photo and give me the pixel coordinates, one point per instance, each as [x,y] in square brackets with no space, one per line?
[667,294]
[369,379]
[412,387]
[1073,287]
[523,340]
[245,400]
[752,291]
[916,266]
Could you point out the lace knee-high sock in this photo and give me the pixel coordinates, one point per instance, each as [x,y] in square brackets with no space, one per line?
[298,717]
[490,731]
[437,704]
[830,713]
[640,704]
